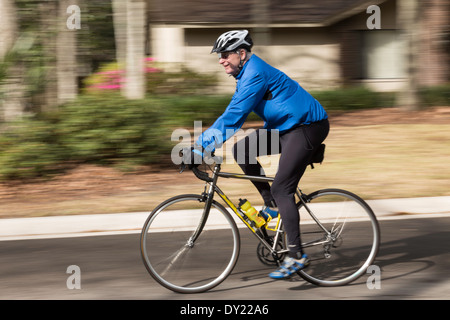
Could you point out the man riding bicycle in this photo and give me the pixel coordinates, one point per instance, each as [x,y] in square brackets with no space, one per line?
[287,110]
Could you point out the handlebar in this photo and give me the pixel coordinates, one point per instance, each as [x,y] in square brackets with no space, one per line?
[202,175]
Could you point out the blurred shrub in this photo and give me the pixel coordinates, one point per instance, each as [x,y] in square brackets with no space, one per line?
[103,129]
[184,110]
[111,77]
[180,82]
[353,98]
[26,62]
[435,96]
[29,148]
[109,129]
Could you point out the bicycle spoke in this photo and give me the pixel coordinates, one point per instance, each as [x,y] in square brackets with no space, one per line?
[172,256]
[350,241]
[174,259]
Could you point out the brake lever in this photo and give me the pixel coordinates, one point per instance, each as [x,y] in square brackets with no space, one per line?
[183,165]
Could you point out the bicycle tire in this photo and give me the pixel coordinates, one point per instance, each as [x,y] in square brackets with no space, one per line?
[182,265]
[356,237]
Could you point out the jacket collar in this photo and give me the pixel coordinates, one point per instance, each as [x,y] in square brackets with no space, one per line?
[239,76]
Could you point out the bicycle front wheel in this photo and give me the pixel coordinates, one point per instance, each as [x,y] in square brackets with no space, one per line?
[186,250]
[340,234]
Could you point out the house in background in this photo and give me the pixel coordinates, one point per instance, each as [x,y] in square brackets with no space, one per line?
[320,43]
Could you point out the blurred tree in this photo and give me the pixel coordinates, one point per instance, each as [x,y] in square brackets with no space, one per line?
[120,24]
[66,50]
[12,88]
[95,39]
[45,28]
[8,26]
[43,57]
[130,19]
[408,20]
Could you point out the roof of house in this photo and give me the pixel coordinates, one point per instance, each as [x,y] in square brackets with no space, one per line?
[306,12]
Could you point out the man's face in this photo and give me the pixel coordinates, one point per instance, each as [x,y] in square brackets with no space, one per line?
[231,60]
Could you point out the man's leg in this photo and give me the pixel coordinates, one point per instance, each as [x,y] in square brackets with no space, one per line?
[297,148]
[245,151]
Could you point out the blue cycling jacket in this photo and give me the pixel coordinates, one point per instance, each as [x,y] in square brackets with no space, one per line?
[280,101]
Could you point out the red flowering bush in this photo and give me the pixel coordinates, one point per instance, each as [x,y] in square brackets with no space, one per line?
[112,77]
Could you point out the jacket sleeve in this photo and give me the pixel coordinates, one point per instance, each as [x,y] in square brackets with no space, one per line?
[248,94]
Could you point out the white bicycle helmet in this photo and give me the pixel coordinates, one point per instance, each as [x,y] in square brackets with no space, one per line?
[233,40]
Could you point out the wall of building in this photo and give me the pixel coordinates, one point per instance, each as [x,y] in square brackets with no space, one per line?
[373,57]
[346,52]
[434,64]
[310,56]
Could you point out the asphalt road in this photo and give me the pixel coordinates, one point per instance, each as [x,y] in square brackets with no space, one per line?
[414,261]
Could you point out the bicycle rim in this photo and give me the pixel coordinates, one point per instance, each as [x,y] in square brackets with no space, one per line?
[177,262]
[344,253]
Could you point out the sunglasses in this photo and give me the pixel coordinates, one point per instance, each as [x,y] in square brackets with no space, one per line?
[225,55]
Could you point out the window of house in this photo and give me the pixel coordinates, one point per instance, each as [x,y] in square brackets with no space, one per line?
[382,55]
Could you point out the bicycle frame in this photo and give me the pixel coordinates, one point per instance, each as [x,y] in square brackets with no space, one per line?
[261,233]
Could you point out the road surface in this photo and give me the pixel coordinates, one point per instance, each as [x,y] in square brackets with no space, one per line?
[414,261]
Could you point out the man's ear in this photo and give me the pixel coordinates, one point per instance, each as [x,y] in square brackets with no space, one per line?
[243,54]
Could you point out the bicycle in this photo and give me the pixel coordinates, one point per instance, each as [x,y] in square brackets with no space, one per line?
[190,243]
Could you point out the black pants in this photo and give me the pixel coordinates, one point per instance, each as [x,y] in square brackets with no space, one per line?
[296,148]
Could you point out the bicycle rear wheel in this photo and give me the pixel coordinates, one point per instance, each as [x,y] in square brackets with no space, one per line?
[344,240]
[185,251]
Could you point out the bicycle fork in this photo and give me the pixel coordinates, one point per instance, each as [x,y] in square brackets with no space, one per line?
[207,197]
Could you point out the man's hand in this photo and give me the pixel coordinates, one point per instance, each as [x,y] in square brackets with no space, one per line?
[192,157]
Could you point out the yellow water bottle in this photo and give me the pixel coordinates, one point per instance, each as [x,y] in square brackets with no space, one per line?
[251,213]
